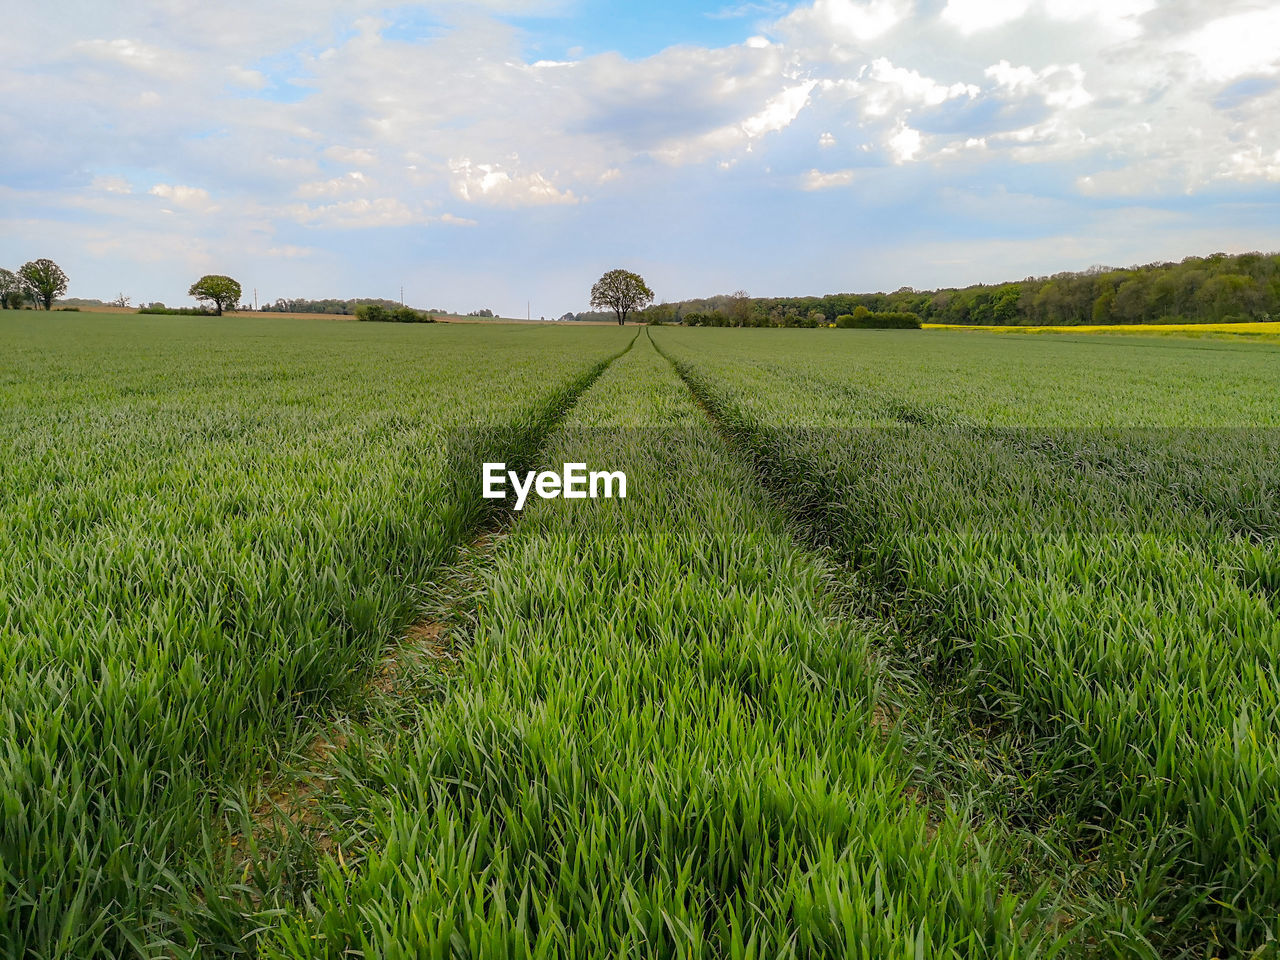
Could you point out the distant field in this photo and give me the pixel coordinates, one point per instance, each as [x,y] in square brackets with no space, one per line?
[272,314]
[1271,328]
[900,645]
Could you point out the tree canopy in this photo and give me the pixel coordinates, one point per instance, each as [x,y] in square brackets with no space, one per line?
[222,292]
[10,290]
[1212,289]
[622,292]
[44,279]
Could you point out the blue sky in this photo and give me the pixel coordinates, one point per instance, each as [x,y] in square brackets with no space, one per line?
[493,153]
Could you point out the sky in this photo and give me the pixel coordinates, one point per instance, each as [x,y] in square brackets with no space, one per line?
[503,154]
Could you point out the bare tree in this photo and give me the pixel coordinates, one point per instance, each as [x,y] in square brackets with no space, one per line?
[739,308]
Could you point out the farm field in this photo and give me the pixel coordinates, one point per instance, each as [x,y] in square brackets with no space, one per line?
[1076,542]
[1262,328]
[902,644]
[206,530]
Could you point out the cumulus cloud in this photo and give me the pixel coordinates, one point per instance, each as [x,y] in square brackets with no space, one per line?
[905,144]
[1238,44]
[856,20]
[491,183]
[1058,86]
[969,16]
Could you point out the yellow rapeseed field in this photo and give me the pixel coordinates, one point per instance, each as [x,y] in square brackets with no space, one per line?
[1237,329]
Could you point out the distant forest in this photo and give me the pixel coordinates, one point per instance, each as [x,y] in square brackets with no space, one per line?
[343,307]
[1219,288]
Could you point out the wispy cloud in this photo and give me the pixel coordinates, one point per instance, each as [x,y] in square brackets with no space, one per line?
[738,11]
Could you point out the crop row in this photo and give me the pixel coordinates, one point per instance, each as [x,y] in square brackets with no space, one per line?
[1107,595]
[204,537]
[661,740]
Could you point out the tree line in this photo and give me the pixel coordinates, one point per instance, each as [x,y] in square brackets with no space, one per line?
[341,307]
[1219,288]
[1214,289]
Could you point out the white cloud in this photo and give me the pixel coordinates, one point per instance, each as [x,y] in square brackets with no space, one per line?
[917,88]
[1117,18]
[189,198]
[347,183]
[244,77]
[357,214]
[970,16]
[780,111]
[350,156]
[1251,163]
[817,180]
[132,53]
[905,144]
[883,89]
[111,185]
[491,183]
[1237,45]
[851,19]
[1059,86]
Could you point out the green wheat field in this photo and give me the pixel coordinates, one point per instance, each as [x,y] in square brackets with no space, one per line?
[903,644]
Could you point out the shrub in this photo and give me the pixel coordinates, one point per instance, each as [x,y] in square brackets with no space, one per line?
[177,311]
[864,319]
[409,315]
[377,313]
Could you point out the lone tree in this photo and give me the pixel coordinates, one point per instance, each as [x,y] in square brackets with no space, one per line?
[622,292]
[221,291]
[44,279]
[10,290]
